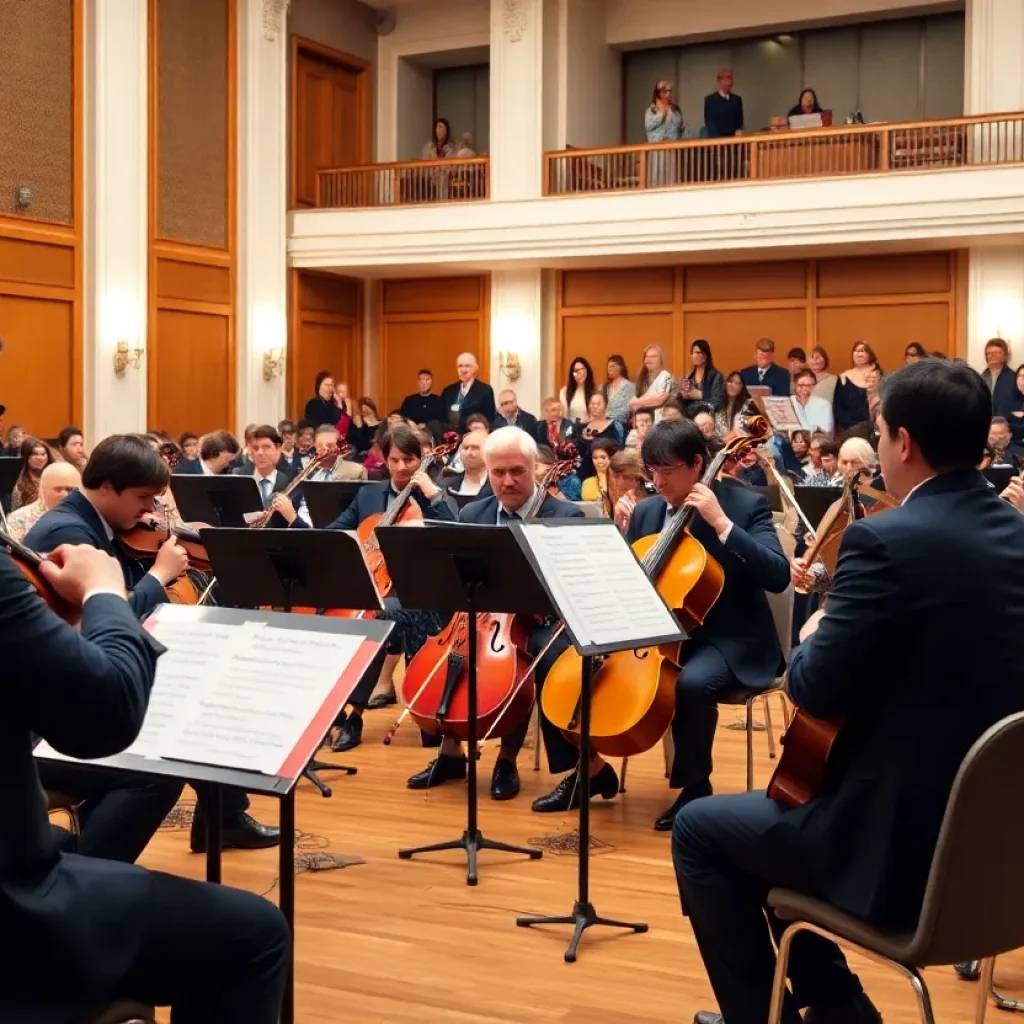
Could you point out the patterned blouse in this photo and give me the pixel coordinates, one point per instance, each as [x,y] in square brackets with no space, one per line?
[618,400]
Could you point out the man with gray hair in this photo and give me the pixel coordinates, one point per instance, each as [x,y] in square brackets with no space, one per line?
[511,458]
[467,395]
[510,415]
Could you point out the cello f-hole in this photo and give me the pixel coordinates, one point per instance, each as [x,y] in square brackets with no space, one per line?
[641,653]
[495,634]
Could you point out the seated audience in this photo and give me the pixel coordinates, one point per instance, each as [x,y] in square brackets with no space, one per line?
[217,453]
[189,445]
[35,457]
[850,404]
[807,104]
[424,406]
[705,423]
[672,410]
[326,438]
[736,398]
[289,439]
[575,394]
[510,415]
[600,427]
[800,443]
[654,385]
[365,422]
[71,447]
[595,487]
[814,413]
[627,484]
[15,435]
[705,384]
[765,372]
[473,478]
[797,359]
[618,389]
[642,423]
[56,482]
[1000,443]
[827,452]
[304,448]
[555,428]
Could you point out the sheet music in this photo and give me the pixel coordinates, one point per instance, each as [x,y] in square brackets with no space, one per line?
[604,594]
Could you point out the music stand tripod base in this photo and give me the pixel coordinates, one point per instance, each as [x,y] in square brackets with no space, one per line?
[472,842]
[583,916]
[312,770]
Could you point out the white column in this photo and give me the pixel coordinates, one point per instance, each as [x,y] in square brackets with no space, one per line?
[517,109]
[995,301]
[116,222]
[517,329]
[262,298]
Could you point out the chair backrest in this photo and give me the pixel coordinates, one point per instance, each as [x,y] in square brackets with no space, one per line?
[782,612]
[974,901]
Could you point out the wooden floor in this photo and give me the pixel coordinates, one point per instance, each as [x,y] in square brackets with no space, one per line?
[404,941]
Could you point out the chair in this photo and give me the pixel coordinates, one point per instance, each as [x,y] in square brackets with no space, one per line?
[126,1012]
[973,907]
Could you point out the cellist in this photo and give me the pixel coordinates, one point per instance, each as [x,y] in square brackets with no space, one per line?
[736,651]
[402,451]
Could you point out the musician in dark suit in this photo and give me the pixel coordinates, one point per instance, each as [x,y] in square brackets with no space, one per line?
[402,451]
[736,651]
[109,930]
[467,395]
[265,467]
[511,456]
[119,485]
[928,597]
[217,452]
[766,372]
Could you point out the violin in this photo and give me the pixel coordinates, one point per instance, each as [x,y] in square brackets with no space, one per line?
[633,692]
[435,688]
[143,541]
[28,562]
[327,460]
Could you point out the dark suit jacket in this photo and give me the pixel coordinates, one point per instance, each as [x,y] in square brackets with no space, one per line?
[485,511]
[776,378]
[372,500]
[723,117]
[86,693]
[919,652]
[190,467]
[567,431]
[740,625]
[423,408]
[281,481]
[1004,395]
[479,398]
[453,483]
[75,521]
[524,421]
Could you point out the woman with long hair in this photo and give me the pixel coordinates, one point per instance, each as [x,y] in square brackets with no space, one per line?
[365,422]
[35,457]
[915,352]
[324,406]
[575,395]
[618,389]
[705,386]
[654,385]
[826,386]
[850,404]
[807,104]
[736,397]
[599,428]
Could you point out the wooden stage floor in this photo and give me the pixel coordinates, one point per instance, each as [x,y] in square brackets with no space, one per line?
[403,941]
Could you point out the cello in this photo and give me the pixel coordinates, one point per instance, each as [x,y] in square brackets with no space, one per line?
[435,688]
[634,692]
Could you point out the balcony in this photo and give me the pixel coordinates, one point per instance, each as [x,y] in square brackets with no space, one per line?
[891,148]
[410,183]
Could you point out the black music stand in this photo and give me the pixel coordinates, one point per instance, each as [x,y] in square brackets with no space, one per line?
[583,915]
[327,499]
[216,500]
[285,568]
[815,501]
[997,476]
[451,568]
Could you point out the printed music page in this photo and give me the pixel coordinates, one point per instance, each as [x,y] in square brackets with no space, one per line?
[597,583]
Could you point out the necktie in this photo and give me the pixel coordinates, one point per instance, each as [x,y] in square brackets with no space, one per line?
[508,517]
[760,374]
[265,492]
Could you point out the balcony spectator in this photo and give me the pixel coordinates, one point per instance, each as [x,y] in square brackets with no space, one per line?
[807,104]
[764,372]
[441,146]
[826,386]
[705,385]
[736,397]
[510,415]
[850,404]
[999,377]
[326,406]
[723,109]
[424,406]
[575,394]
[555,429]
[654,385]
[467,395]
[663,122]
[915,352]
[618,389]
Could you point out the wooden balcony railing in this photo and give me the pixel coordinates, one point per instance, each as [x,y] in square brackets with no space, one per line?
[888,148]
[412,183]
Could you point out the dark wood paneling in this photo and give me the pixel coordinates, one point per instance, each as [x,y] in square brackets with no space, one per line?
[433,295]
[177,279]
[433,343]
[627,287]
[733,281]
[905,274]
[328,294]
[887,328]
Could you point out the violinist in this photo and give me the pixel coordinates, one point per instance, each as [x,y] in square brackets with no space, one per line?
[402,451]
[511,457]
[473,478]
[265,453]
[217,452]
[121,481]
[736,652]
[324,439]
[913,613]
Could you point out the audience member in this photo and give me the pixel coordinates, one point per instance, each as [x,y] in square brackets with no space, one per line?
[71,447]
[189,445]
[15,435]
[915,352]
[736,398]
[441,146]
[217,452]
[555,428]
[850,404]
[473,478]
[807,104]
[1000,443]
[56,482]
[424,406]
[826,451]
[723,109]
[627,484]
[814,413]
[654,385]
[568,486]
[325,406]
[35,457]
[575,394]
[468,394]
[595,487]
[599,428]
[705,384]
[1000,379]
[765,372]
[642,423]
[326,438]
[673,410]
[365,422]
[510,415]
[663,122]
[826,386]
[705,423]
[1016,417]
[618,389]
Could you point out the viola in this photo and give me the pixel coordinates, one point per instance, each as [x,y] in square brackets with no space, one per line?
[325,460]
[435,688]
[28,562]
[143,541]
[633,692]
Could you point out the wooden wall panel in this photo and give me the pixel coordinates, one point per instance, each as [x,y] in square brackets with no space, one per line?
[328,293]
[193,384]
[905,274]
[888,328]
[39,351]
[733,332]
[741,281]
[51,264]
[595,338]
[428,322]
[177,279]
[627,287]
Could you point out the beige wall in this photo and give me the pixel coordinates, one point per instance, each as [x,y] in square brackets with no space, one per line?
[593,86]
[634,22]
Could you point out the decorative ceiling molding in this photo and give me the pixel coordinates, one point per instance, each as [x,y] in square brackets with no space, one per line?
[275,13]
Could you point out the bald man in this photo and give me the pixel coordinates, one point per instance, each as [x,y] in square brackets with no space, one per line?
[467,395]
[58,480]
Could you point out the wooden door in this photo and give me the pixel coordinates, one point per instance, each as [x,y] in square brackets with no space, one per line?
[330,115]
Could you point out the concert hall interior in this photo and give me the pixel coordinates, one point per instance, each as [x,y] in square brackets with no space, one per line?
[735,285]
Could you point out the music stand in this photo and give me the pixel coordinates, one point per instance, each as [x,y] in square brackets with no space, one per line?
[10,467]
[815,501]
[999,476]
[327,499]
[285,568]
[216,500]
[583,914]
[451,568]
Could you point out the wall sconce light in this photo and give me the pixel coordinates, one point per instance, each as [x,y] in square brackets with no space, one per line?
[124,356]
[273,363]
[509,365]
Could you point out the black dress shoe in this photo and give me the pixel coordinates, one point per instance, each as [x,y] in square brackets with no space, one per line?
[350,735]
[667,818]
[246,834]
[382,700]
[504,780]
[707,1017]
[566,795]
[444,769]
[857,1010]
